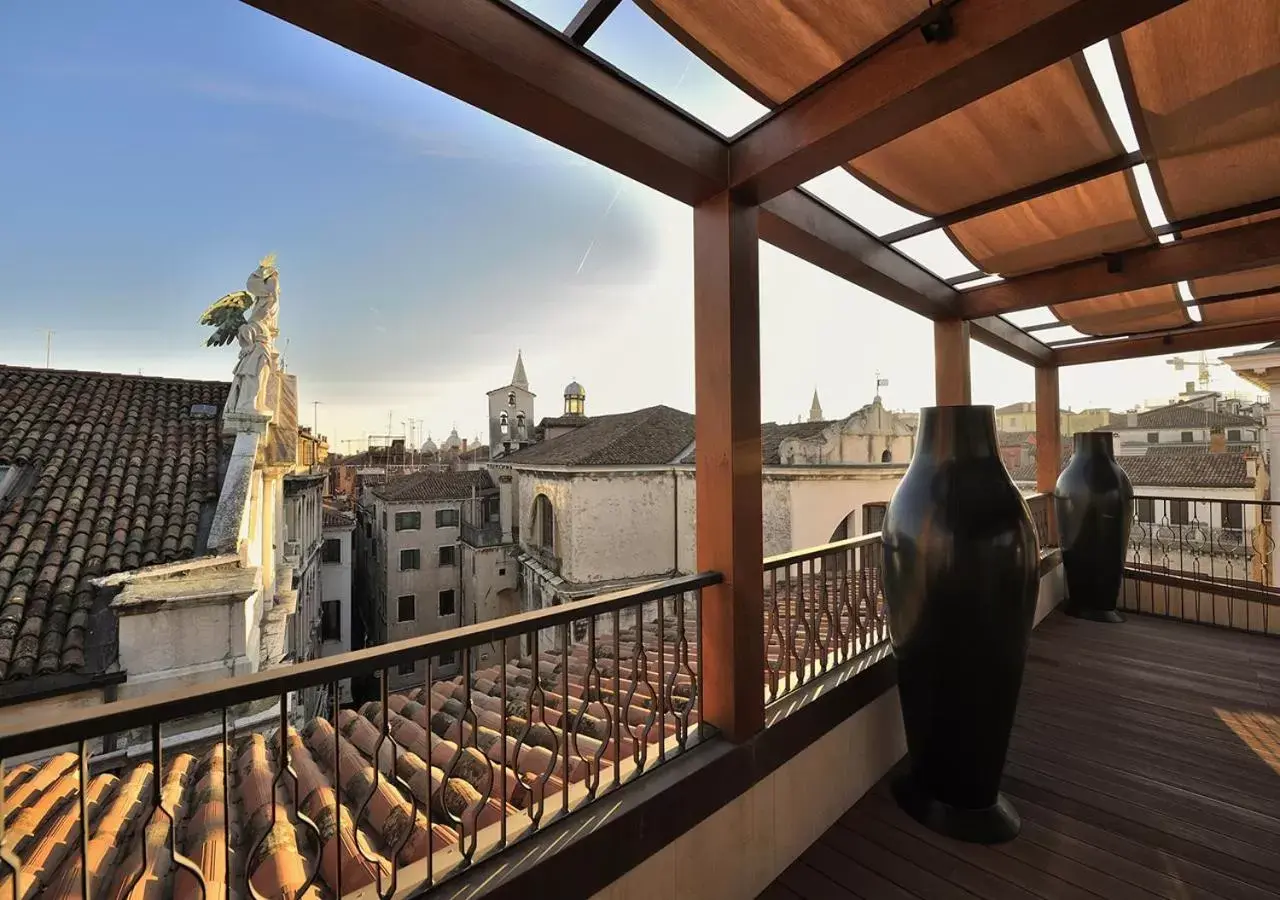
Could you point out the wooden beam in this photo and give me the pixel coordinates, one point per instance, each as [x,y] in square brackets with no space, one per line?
[876,98]
[806,227]
[726,325]
[1010,340]
[951,363]
[1183,340]
[502,60]
[1216,253]
[589,19]
[1048,429]
[1022,195]
[1261,207]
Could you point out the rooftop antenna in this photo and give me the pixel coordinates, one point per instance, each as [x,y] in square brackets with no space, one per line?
[48,347]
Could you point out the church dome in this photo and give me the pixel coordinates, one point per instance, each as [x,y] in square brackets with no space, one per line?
[573,389]
[453,442]
[429,446]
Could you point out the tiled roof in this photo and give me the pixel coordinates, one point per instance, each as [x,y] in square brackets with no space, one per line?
[1182,415]
[335,518]
[116,469]
[430,487]
[1193,449]
[647,437]
[772,435]
[1015,438]
[367,824]
[564,421]
[1221,470]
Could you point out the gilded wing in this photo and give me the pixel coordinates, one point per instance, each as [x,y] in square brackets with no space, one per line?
[226,315]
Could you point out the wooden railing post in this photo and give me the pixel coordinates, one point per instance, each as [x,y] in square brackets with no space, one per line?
[951,362]
[1048,438]
[726,322]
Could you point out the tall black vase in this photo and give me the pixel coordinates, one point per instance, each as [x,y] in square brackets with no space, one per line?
[1094,504]
[960,581]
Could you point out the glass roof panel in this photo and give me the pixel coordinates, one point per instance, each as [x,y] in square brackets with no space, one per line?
[638,46]
[1028,318]
[860,202]
[937,253]
[556,13]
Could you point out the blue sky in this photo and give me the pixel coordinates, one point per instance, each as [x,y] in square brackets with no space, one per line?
[154,150]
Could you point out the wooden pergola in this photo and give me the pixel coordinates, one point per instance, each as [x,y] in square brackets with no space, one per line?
[981,115]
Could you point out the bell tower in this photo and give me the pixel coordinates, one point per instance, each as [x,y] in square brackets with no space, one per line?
[511,419]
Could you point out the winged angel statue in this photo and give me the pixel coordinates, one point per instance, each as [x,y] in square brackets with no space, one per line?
[250,317]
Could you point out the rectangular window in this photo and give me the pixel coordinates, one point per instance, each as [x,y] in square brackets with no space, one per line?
[1179,512]
[873,517]
[331,620]
[1145,508]
[1233,435]
[1188,437]
[447,606]
[331,552]
[408,521]
[1233,516]
[384,520]
[446,518]
[447,555]
[410,559]
[404,669]
[406,608]
[448,658]
[1153,437]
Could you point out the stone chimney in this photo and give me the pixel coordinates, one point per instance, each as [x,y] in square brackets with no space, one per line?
[464,445]
[1132,420]
[1217,441]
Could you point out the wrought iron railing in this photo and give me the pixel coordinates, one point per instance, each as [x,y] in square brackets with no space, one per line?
[1041,506]
[823,606]
[1204,560]
[486,535]
[390,798]
[1215,540]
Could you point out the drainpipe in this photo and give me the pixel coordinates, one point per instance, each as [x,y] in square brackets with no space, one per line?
[675,520]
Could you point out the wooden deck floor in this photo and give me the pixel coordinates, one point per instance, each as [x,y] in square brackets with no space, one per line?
[1145,762]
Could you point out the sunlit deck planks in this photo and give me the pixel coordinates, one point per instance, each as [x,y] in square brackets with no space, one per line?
[1145,762]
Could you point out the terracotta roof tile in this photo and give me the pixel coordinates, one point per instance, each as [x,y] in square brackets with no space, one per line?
[429,487]
[1222,470]
[1183,415]
[654,436]
[332,517]
[113,470]
[339,815]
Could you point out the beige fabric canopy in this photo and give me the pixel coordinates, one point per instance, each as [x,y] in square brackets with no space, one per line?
[780,47]
[1202,82]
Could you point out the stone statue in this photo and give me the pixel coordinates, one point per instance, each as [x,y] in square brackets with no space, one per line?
[250,317]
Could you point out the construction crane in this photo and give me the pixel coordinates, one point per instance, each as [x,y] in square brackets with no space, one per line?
[1203,366]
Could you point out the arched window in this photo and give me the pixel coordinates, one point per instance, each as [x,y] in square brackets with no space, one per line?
[503,422]
[511,398]
[544,525]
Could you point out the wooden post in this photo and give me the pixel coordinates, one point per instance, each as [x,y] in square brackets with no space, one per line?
[1048,429]
[726,325]
[951,362]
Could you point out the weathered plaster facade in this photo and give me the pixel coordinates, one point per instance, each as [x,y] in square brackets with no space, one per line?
[617,524]
[872,434]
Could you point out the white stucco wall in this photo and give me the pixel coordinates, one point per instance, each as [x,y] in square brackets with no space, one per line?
[335,584]
[617,524]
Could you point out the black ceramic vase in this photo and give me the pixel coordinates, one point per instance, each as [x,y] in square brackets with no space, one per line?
[1094,505]
[960,580]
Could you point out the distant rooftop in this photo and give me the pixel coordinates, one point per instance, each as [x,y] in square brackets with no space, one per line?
[432,487]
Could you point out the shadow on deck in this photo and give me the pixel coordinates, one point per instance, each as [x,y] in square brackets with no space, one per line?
[1145,762]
